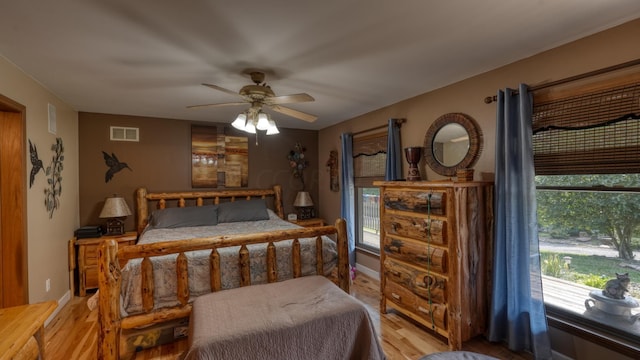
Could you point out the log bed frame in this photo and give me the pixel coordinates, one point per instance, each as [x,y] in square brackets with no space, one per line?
[110,321]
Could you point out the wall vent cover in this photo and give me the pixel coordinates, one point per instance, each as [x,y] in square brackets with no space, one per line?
[119,133]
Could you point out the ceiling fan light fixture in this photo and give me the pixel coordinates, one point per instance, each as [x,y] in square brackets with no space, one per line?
[272,129]
[240,122]
[263,121]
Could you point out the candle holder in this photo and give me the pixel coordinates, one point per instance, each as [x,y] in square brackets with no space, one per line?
[413,155]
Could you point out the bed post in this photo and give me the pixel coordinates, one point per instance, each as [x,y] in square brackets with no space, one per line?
[277,201]
[108,301]
[344,277]
[142,211]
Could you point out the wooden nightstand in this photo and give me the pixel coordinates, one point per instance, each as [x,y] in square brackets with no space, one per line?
[309,222]
[87,250]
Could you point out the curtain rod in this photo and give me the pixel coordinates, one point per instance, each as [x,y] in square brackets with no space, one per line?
[490,99]
[399,123]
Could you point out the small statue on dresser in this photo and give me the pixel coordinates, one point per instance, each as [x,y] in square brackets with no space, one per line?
[615,288]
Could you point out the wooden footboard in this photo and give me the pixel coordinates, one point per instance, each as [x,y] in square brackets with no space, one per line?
[110,321]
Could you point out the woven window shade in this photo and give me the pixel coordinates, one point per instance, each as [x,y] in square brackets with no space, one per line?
[369,158]
[592,133]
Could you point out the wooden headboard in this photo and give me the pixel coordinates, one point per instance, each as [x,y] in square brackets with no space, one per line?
[199,198]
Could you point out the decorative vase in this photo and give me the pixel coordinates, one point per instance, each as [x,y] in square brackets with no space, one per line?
[413,155]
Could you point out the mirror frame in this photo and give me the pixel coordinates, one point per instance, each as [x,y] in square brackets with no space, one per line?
[475,143]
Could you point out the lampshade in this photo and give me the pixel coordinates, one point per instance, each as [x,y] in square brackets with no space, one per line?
[251,126]
[303,199]
[273,129]
[263,121]
[240,122]
[115,207]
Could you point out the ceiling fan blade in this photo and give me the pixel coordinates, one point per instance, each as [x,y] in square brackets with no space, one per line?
[295,113]
[288,99]
[216,87]
[216,105]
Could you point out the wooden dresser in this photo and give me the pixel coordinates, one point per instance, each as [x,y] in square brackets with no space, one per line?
[435,242]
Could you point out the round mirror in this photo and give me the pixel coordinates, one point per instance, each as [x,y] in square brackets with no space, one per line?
[453,142]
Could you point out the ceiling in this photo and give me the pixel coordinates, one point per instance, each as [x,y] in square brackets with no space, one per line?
[149,57]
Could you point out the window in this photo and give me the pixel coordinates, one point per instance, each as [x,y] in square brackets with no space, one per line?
[587,161]
[369,158]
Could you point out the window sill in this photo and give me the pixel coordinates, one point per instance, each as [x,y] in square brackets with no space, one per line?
[368,250]
[591,331]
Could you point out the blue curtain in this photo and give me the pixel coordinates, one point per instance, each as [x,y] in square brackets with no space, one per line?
[393,168]
[347,193]
[517,314]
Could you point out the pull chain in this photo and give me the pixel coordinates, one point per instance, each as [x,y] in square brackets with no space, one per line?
[433,326]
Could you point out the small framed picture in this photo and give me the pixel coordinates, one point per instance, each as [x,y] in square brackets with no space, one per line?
[292,217]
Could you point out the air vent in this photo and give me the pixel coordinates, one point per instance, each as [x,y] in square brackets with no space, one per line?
[119,133]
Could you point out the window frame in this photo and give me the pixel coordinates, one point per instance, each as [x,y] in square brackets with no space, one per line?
[602,334]
[359,223]
[572,323]
[370,145]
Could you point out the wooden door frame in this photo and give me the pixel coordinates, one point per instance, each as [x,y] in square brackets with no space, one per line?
[14,283]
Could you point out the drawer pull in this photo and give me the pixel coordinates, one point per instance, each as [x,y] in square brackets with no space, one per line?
[395,272]
[426,281]
[395,296]
[421,309]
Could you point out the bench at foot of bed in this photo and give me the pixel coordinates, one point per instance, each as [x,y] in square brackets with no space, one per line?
[302,318]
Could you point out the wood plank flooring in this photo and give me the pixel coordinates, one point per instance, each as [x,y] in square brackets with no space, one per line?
[72,334]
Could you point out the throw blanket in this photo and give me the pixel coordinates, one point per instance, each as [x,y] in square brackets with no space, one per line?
[303,318]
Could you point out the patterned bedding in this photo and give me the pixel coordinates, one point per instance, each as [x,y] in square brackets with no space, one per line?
[199,279]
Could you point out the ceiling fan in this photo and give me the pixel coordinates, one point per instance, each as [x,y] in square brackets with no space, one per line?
[260,94]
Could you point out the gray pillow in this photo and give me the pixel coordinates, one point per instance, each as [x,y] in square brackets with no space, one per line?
[184,217]
[243,210]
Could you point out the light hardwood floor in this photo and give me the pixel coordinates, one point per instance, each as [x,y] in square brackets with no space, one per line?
[72,334]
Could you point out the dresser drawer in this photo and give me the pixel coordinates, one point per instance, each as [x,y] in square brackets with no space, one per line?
[91,277]
[91,255]
[429,285]
[424,309]
[416,252]
[399,295]
[415,201]
[419,282]
[416,228]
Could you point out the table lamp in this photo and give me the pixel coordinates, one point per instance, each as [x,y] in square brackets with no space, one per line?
[304,205]
[115,210]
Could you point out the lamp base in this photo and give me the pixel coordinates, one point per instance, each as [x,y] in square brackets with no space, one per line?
[115,226]
[305,212]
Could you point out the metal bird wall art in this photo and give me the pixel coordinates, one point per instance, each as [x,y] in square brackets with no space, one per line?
[36,163]
[114,166]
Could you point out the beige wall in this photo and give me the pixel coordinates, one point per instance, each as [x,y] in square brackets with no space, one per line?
[47,237]
[604,49]
[161,161]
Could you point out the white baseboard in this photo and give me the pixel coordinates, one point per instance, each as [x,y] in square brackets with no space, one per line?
[367,271]
[61,303]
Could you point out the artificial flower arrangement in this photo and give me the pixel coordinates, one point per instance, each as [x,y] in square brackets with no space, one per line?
[297,162]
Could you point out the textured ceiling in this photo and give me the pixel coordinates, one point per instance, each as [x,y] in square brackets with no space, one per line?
[149,58]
